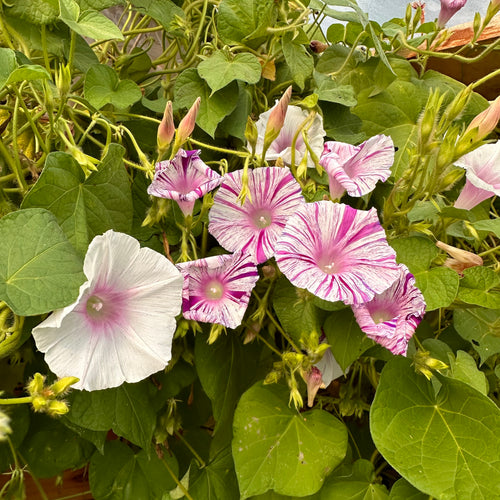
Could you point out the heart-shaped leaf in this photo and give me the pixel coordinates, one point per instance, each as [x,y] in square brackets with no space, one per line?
[39,269]
[102,86]
[275,447]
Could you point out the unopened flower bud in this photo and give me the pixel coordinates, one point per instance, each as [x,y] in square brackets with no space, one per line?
[272,377]
[448,9]
[318,47]
[425,364]
[269,271]
[36,384]
[461,259]
[251,332]
[186,126]
[56,408]
[276,119]
[215,333]
[251,133]
[166,129]
[63,385]
[39,403]
[314,382]
[481,126]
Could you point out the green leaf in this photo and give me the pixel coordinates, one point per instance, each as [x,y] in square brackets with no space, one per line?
[296,310]
[34,11]
[356,483]
[345,337]
[11,72]
[476,287]
[492,225]
[298,60]
[446,444]
[39,269]
[220,69]
[102,87]
[8,64]
[403,490]
[274,447]
[89,23]
[481,327]
[439,286]
[329,90]
[127,410]
[163,11]
[118,474]
[243,21]
[464,368]
[85,207]
[417,253]
[236,366]
[215,481]
[214,107]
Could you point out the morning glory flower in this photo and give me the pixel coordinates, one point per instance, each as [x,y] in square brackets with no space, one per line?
[254,227]
[391,318]
[336,252]
[281,147]
[184,179]
[482,168]
[329,368]
[121,326]
[357,168]
[448,9]
[217,289]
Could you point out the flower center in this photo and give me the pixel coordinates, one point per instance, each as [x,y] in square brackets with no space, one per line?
[95,306]
[328,265]
[381,316]
[262,219]
[214,290]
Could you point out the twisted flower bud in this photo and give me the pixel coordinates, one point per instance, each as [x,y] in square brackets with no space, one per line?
[166,129]
[276,119]
[186,126]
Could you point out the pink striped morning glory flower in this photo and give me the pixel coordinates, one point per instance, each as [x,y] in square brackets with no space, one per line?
[254,227]
[482,175]
[120,328]
[184,179]
[336,252]
[391,318]
[217,289]
[357,168]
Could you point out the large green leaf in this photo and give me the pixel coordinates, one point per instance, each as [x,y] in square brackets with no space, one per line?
[8,64]
[345,337]
[102,87]
[127,410]
[298,60]
[226,369]
[275,447]
[85,207]
[243,21]
[34,11]
[446,444]
[220,69]
[119,474]
[12,72]
[39,269]
[476,287]
[163,11]
[214,106]
[89,23]
[481,327]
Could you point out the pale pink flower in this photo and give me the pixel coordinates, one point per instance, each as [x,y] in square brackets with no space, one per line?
[254,227]
[184,179]
[482,175]
[217,289]
[120,328]
[448,9]
[391,317]
[357,168]
[336,252]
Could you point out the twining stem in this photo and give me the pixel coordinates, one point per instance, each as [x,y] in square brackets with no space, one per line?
[16,401]
[200,460]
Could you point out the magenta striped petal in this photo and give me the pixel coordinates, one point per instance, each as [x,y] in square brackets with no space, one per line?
[217,289]
[255,226]
[183,179]
[337,252]
[392,317]
[357,169]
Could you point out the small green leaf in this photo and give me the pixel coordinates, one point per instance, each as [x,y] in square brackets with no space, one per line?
[84,207]
[39,269]
[481,327]
[298,60]
[8,64]
[476,287]
[439,286]
[89,23]
[403,490]
[464,368]
[102,87]
[446,444]
[345,337]
[492,226]
[417,253]
[28,72]
[329,90]
[163,11]
[275,447]
[33,11]
[220,69]
[213,107]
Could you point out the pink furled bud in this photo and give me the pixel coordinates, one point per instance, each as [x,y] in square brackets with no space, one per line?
[485,122]
[277,118]
[314,382]
[166,129]
[461,259]
[448,9]
[186,126]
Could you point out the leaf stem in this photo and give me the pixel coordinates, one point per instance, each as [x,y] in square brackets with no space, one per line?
[200,460]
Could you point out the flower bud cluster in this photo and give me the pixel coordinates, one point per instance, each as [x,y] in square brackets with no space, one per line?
[45,398]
